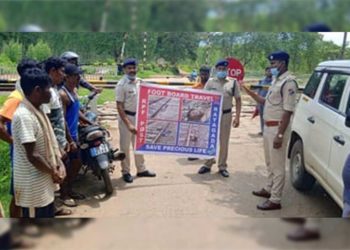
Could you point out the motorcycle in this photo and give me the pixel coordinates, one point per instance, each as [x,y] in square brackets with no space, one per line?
[97,153]
[192,77]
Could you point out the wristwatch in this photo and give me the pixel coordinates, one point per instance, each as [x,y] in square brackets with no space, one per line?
[280,136]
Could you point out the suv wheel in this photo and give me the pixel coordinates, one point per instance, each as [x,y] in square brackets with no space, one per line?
[300,178]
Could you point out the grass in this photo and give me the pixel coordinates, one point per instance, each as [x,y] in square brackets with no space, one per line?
[150,73]
[5,197]
[4,170]
[107,95]
[2,99]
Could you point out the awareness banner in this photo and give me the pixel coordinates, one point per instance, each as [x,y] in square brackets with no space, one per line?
[175,121]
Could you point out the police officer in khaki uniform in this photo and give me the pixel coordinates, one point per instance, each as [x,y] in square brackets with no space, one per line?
[126,97]
[279,106]
[230,90]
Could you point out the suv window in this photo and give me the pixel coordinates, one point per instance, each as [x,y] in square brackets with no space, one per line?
[312,85]
[333,89]
[347,110]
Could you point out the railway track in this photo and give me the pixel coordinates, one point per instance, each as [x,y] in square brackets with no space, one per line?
[11,86]
[156,130]
[161,107]
[161,133]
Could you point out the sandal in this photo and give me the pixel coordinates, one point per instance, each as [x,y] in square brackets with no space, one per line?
[63,212]
[69,202]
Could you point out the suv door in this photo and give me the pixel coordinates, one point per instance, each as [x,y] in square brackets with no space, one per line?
[340,147]
[323,118]
[306,109]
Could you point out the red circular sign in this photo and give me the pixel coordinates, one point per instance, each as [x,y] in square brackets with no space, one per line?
[235,69]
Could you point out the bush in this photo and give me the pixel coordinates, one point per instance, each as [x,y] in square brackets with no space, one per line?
[147,66]
[40,51]
[89,70]
[110,61]
[174,70]
[5,60]
[13,50]
[157,70]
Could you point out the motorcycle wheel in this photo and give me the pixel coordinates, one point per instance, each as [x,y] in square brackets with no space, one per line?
[107,180]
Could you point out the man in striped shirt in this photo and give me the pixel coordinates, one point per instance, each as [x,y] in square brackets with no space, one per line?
[6,114]
[37,166]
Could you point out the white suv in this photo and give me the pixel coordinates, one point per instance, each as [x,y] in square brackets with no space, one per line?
[320,131]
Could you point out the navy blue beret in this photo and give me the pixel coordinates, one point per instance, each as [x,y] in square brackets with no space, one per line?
[129,61]
[279,55]
[221,62]
[317,27]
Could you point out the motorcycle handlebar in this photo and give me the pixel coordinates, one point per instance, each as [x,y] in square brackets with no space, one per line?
[92,95]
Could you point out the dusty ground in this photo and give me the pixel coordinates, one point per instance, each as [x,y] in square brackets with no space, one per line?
[191,234]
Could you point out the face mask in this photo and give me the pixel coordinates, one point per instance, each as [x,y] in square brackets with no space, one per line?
[274,71]
[131,77]
[221,74]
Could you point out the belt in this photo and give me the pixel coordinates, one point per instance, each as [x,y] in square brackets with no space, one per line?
[130,113]
[227,111]
[272,123]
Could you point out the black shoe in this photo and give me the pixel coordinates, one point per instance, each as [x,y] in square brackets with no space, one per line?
[269,205]
[146,173]
[128,178]
[203,170]
[192,159]
[262,193]
[224,173]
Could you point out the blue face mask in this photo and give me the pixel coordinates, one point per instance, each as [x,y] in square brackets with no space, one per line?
[221,74]
[274,71]
[131,77]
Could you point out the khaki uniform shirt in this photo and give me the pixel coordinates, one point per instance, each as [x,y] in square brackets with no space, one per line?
[279,100]
[126,92]
[229,89]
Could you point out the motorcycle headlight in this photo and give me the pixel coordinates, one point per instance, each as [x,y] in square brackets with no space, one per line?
[94,135]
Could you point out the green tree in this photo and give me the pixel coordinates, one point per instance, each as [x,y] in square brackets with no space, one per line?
[39,51]
[13,51]
[176,46]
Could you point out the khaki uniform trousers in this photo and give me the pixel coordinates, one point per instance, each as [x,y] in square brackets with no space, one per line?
[275,160]
[224,139]
[125,137]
